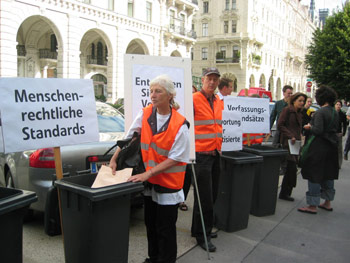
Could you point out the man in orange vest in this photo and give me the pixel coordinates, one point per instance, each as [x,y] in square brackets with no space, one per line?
[208,140]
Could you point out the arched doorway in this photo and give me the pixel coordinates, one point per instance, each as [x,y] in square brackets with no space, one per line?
[137,46]
[262,81]
[175,53]
[100,86]
[38,45]
[251,81]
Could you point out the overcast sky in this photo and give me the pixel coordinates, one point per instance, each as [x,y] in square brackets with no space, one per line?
[330,4]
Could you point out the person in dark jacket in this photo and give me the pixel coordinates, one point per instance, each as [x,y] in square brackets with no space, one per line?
[306,116]
[341,130]
[290,126]
[277,109]
[321,165]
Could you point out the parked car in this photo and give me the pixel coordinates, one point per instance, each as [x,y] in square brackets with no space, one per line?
[34,170]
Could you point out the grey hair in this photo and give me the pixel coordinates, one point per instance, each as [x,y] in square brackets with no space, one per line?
[166,82]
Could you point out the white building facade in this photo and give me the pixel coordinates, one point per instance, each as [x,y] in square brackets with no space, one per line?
[88,38]
[258,43]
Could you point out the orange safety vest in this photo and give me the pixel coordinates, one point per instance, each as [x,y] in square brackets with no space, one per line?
[255,138]
[207,123]
[155,149]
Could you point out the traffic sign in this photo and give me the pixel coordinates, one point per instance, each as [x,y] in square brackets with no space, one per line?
[309,84]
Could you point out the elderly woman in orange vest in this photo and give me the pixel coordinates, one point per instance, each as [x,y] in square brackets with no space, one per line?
[165,151]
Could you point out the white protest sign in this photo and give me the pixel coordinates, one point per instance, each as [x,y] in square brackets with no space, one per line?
[1,140]
[142,75]
[139,70]
[232,131]
[255,113]
[39,113]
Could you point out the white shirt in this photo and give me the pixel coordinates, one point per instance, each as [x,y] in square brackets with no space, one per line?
[220,95]
[180,151]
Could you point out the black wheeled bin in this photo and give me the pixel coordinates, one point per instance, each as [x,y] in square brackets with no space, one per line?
[266,179]
[232,206]
[13,206]
[95,221]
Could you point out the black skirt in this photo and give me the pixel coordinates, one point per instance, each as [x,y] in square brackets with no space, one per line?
[321,163]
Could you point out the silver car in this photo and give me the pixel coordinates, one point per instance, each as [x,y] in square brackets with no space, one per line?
[35,170]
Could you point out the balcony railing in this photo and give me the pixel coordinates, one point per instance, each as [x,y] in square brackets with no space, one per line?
[96,60]
[257,61]
[21,50]
[47,53]
[227,60]
[182,31]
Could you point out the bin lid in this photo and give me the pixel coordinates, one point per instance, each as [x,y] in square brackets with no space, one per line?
[81,184]
[12,199]
[240,157]
[265,150]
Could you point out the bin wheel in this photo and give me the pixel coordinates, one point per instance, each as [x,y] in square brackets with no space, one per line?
[9,180]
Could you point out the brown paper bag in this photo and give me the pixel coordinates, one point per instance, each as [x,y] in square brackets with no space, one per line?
[105,177]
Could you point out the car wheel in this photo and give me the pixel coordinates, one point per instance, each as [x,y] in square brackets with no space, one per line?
[9,180]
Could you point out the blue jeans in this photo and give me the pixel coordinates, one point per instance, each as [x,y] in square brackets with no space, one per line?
[325,190]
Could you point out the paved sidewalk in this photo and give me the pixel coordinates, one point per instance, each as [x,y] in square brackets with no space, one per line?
[288,236]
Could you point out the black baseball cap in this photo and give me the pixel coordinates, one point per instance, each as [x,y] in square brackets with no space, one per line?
[209,71]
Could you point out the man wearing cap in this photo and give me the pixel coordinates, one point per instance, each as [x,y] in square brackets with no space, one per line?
[208,140]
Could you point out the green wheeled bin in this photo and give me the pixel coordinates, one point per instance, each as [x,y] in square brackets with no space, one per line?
[14,204]
[232,206]
[266,178]
[95,221]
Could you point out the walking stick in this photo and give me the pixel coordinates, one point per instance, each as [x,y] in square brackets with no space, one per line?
[200,210]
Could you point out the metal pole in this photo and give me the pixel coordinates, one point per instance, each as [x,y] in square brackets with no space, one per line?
[200,209]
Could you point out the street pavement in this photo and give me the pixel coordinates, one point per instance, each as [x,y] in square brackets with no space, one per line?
[287,236]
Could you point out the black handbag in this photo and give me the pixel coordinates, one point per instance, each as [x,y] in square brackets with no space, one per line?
[130,154]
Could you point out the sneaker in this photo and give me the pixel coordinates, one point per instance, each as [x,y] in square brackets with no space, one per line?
[345,157]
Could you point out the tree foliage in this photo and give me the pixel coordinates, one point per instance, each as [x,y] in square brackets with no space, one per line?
[328,58]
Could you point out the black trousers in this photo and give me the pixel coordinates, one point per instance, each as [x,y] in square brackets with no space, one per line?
[207,169]
[188,180]
[347,143]
[160,221]
[289,179]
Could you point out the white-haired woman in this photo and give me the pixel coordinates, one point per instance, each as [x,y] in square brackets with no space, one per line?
[165,151]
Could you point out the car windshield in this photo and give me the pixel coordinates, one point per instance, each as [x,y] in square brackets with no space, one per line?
[109,119]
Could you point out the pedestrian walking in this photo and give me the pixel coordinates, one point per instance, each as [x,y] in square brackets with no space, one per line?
[341,130]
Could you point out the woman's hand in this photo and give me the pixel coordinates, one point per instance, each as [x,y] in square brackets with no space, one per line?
[293,140]
[113,165]
[307,126]
[113,160]
[140,177]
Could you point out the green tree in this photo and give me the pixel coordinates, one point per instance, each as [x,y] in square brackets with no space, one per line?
[328,58]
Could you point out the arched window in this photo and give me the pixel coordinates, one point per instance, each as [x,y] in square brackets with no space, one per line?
[99,53]
[92,50]
[53,43]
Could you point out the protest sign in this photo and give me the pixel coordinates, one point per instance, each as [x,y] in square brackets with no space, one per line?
[143,74]
[140,70]
[40,113]
[232,131]
[255,113]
